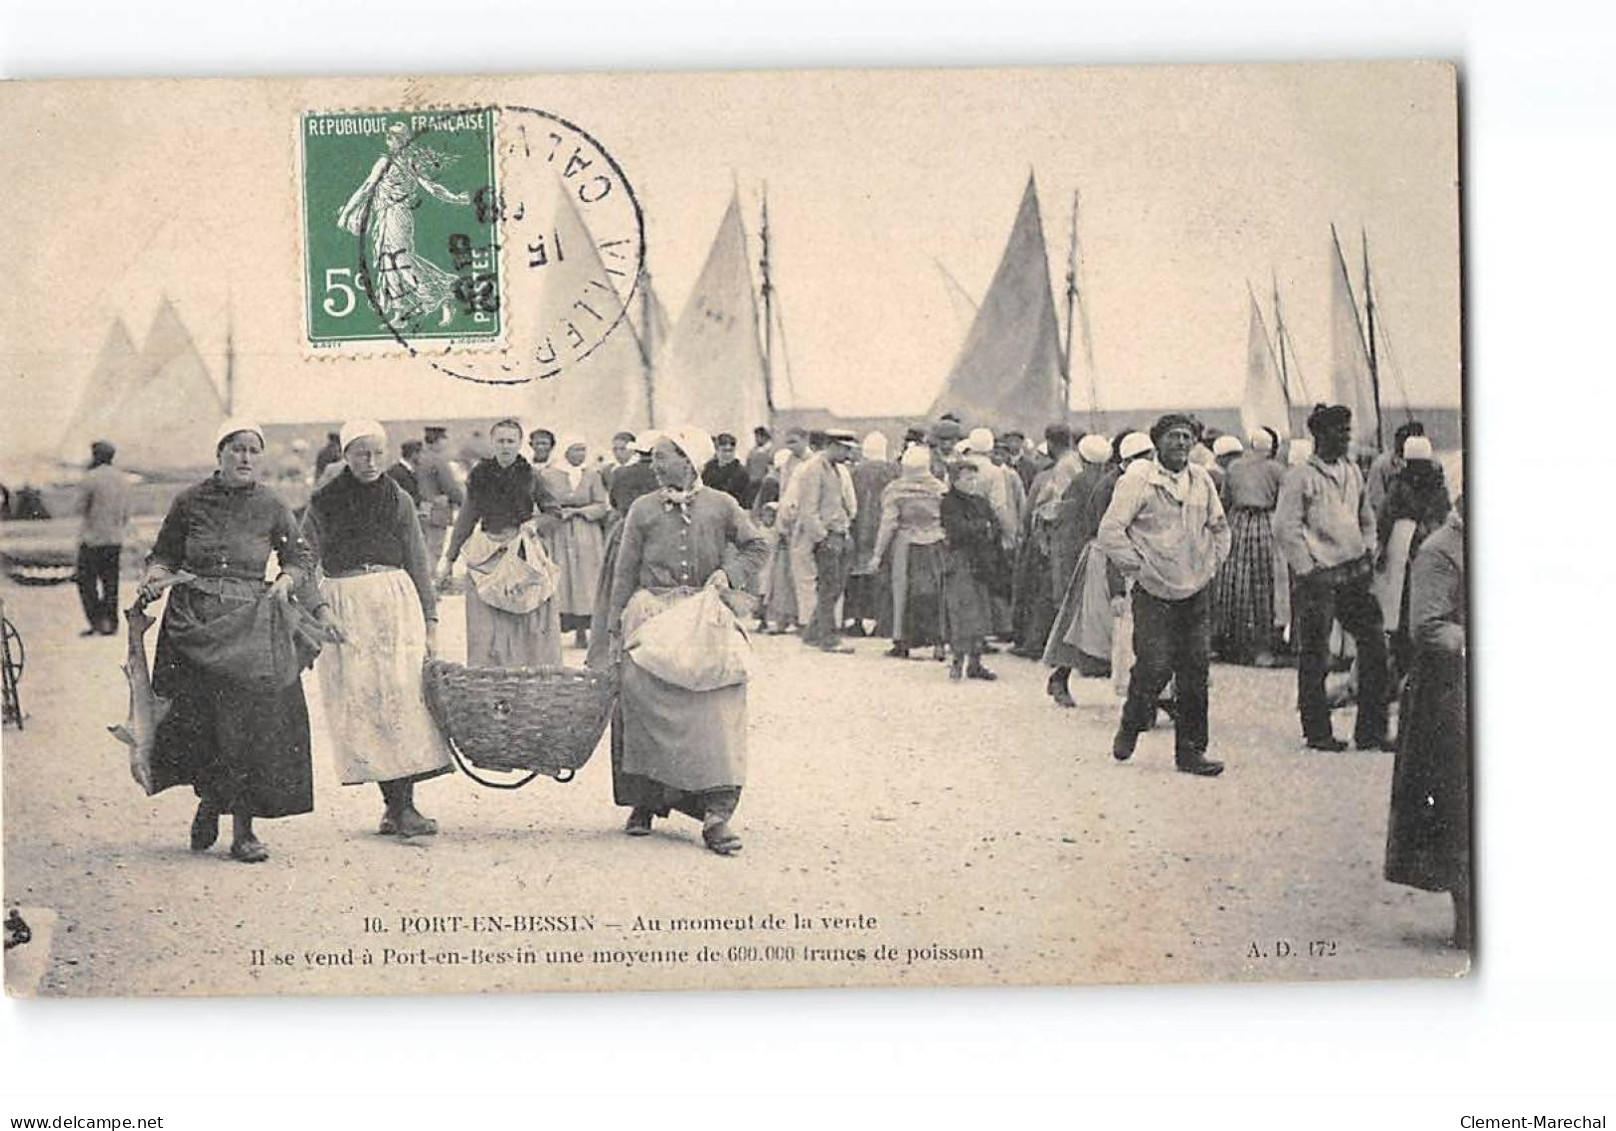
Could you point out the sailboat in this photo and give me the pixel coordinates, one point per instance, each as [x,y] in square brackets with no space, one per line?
[159,407]
[1361,353]
[1266,402]
[714,372]
[604,390]
[1011,372]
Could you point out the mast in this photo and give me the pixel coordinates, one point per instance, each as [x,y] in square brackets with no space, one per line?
[767,290]
[1369,313]
[1284,365]
[1071,306]
[230,364]
[647,347]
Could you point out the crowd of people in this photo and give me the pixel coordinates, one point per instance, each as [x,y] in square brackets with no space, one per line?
[1134,558]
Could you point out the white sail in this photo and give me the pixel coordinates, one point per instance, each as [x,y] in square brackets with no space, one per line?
[1351,383]
[1008,374]
[117,370]
[168,421]
[600,386]
[712,374]
[1263,404]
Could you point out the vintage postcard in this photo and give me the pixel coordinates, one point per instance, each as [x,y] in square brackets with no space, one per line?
[671,531]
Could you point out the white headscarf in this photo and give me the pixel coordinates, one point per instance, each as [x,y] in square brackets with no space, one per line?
[1262,441]
[237,424]
[916,459]
[694,443]
[1135,444]
[356,429]
[1227,445]
[1094,448]
[980,441]
[874,446]
[781,457]
[575,475]
[1417,448]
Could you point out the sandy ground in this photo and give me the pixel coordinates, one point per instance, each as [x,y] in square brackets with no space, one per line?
[984,835]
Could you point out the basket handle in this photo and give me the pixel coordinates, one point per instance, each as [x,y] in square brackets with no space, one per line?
[466,769]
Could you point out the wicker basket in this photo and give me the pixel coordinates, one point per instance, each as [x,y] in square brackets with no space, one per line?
[541,720]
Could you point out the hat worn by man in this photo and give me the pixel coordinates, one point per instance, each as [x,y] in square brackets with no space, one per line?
[946,429]
[1167,423]
[1328,416]
[840,436]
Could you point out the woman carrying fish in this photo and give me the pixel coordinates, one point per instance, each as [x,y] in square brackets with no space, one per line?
[507,509]
[229,657]
[378,602]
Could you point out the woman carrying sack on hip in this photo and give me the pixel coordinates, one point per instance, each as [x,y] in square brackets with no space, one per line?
[512,617]
[379,602]
[674,747]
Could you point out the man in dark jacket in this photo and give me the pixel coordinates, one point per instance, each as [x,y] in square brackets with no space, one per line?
[726,473]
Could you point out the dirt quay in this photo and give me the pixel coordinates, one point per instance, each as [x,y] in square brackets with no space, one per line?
[900,829]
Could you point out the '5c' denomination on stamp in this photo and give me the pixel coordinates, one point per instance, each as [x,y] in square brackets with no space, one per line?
[399,228]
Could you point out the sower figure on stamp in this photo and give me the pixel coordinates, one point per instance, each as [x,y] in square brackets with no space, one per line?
[1325,527]
[1166,531]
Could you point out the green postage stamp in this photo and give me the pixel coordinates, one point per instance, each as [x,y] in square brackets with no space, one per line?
[399,228]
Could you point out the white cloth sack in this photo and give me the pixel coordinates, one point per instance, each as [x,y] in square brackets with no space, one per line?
[695,643]
[516,575]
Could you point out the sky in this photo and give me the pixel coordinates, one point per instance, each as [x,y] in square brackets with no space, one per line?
[1193,181]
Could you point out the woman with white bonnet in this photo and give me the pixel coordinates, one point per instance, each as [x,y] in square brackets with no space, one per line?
[578,542]
[1243,591]
[910,537]
[507,511]
[869,589]
[237,731]
[1416,506]
[378,600]
[675,748]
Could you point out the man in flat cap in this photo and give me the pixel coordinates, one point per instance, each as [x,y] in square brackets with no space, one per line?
[826,505]
[1166,531]
[104,508]
[1325,527]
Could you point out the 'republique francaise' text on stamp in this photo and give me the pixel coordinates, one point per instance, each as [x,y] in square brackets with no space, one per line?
[399,227]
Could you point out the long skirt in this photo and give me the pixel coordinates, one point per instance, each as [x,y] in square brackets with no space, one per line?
[780,594]
[677,749]
[1034,602]
[917,594]
[1428,832]
[1243,590]
[1084,627]
[242,750]
[578,547]
[498,639]
[375,709]
[968,604]
[869,597]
